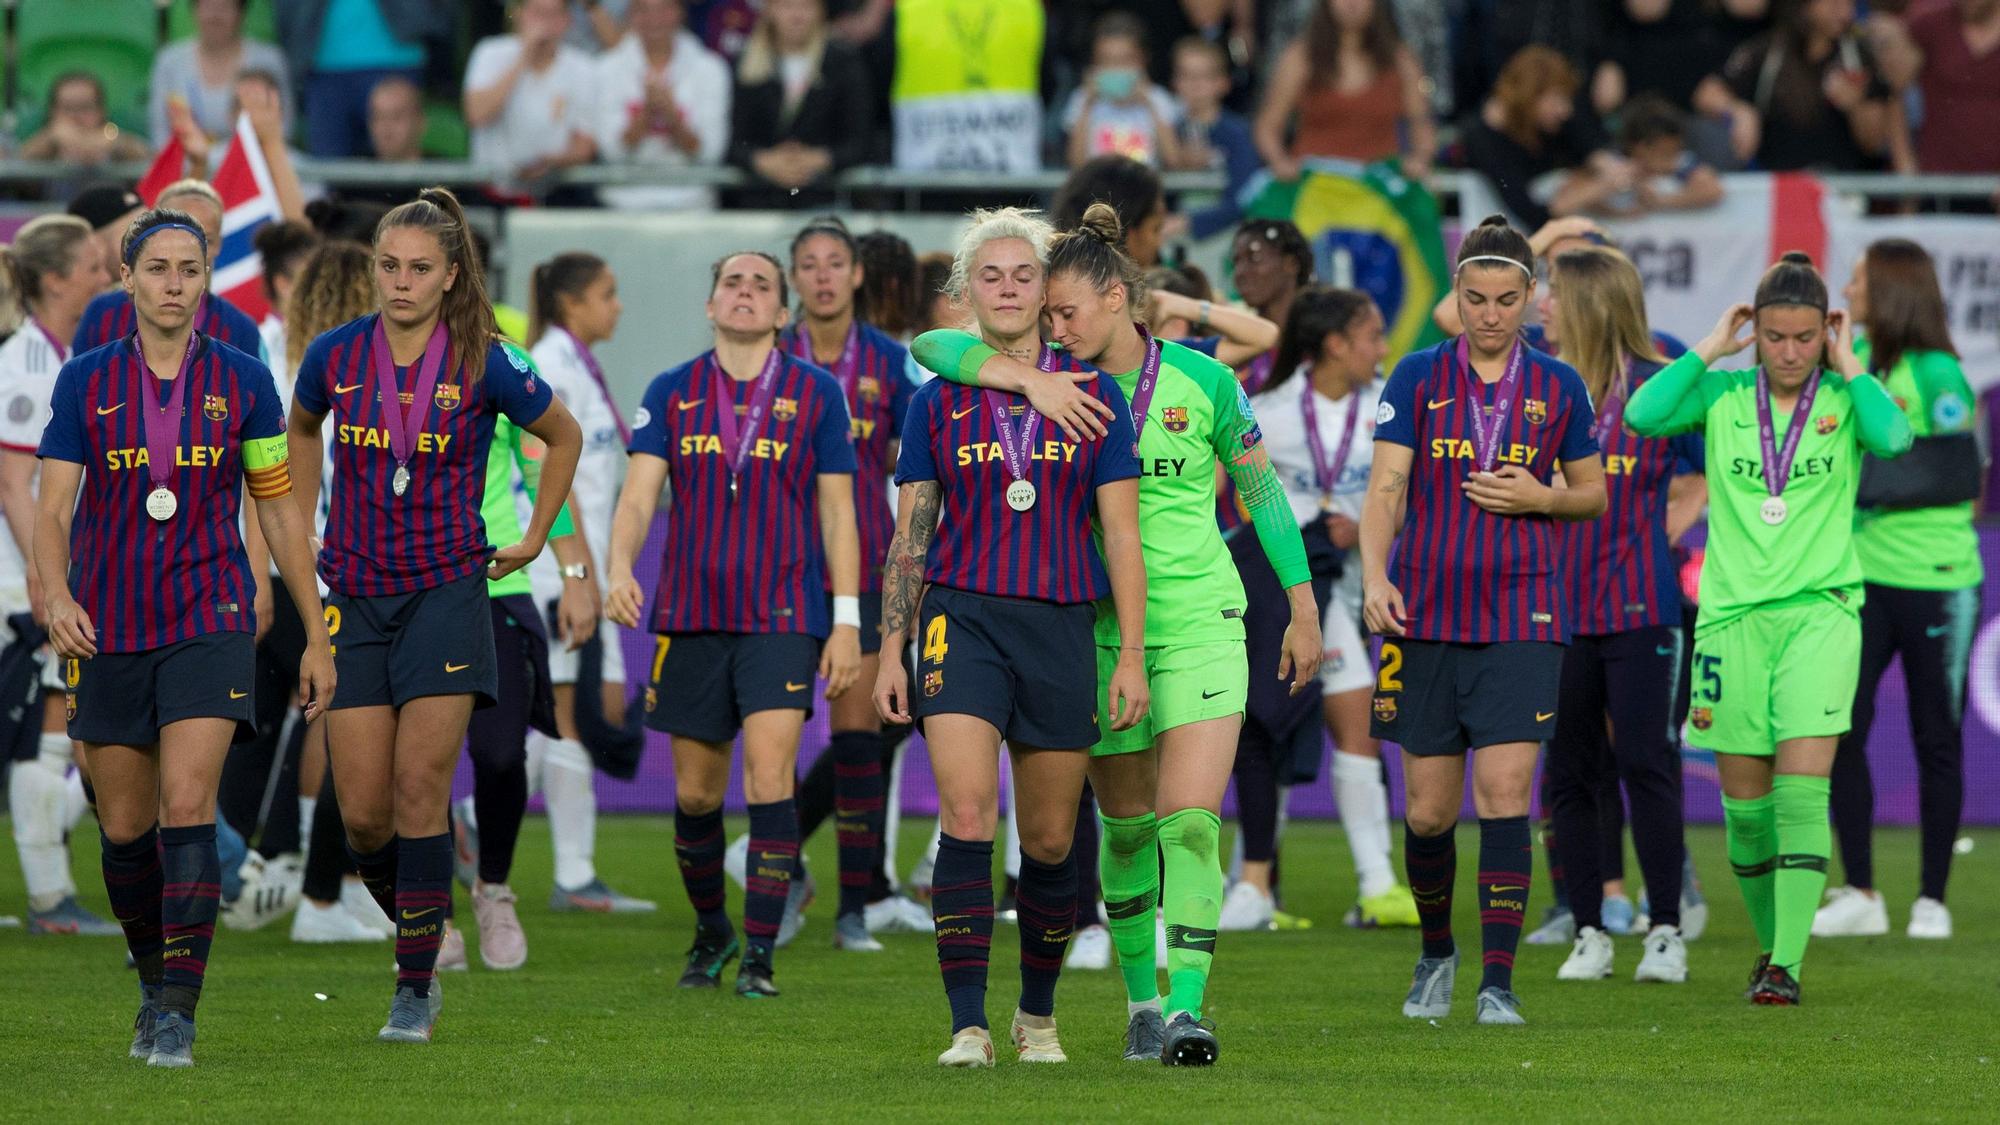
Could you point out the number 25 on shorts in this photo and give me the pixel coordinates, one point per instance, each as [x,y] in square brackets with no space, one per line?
[1708,677]
[934,644]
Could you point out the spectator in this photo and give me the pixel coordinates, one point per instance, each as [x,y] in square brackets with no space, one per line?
[664,102]
[802,106]
[109,209]
[1671,48]
[202,71]
[1529,128]
[598,25]
[1813,83]
[1117,111]
[1228,24]
[968,102]
[1132,189]
[528,96]
[1211,137]
[724,25]
[77,131]
[397,121]
[1959,80]
[344,47]
[1427,27]
[1356,90]
[1665,175]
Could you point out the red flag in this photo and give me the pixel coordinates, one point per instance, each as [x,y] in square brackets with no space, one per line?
[168,166]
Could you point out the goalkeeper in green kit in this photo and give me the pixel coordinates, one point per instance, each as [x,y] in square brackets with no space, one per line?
[1777,646]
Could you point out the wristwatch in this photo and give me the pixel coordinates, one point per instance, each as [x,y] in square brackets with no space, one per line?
[576,570]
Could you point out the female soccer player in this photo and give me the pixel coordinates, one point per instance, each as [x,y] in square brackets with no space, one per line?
[161,432]
[1159,783]
[756,446]
[1467,435]
[54,267]
[996,516]
[110,316]
[1270,262]
[1620,672]
[870,369]
[407,558]
[1922,570]
[1320,431]
[1778,643]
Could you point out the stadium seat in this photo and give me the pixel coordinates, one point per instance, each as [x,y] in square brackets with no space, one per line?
[113,39]
[445,135]
[260,21]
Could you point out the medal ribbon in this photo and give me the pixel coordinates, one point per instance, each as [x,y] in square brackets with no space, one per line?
[1485,437]
[1778,462]
[1149,378]
[405,426]
[590,364]
[1015,446]
[163,423]
[61,349]
[1612,413]
[736,441]
[1325,475]
[847,369]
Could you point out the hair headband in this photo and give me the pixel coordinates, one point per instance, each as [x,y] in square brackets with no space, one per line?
[132,252]
[1501,258]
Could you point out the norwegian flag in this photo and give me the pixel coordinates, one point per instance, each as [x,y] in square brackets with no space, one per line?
[248,202]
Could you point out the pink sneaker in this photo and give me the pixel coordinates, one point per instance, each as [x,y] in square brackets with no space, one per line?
[502,945]
[451,952]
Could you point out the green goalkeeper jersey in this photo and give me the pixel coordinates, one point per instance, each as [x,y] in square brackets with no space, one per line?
[1923,548]
[1750,562]
[1198,415]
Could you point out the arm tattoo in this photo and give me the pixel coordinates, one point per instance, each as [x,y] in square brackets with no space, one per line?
[903,577]
[1394,482]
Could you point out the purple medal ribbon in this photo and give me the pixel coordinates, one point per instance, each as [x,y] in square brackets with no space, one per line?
[1258,372]
[846,369]
[1778,462]
[406,426]
[736,442]
[1327,476]
[1149,378]
[1613,411]
[590,364]
[1015,445]
[1485,437]
[162,425]
[61,349]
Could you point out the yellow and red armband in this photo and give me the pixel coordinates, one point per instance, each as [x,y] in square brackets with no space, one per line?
[267,468]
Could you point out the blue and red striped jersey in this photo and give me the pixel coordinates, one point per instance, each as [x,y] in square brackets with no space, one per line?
[150,583]
[984,546]
[755,564]
[1468,575]
[878,397]
[109,317]
[1537,337]
[378,543]
[1619,566]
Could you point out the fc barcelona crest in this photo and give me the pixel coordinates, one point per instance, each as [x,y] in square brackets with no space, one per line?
[785,409]
[652,699]
[1174,418]
[1535,410]
[1701,718]
[447,396]
[933,682]
[1385,708]
[1826,424]
[214,407]
[869,388]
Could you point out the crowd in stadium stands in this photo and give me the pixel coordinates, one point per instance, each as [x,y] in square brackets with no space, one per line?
[1606,107]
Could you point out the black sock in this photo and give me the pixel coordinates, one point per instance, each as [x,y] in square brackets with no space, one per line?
[1506,869]
[1048,903]
[133,879]
[962,907]
[767,882]
[326,858]
[698,849]
[1431,862]
[500,801]
[191,895]
[423,902]
[378,874]
[858,811]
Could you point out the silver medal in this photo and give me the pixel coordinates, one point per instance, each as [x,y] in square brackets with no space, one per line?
[400,483]
[1774,511]
[161,504]
[1021,495]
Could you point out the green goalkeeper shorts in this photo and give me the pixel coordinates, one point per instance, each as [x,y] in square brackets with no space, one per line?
[1776,673]
[1189,683]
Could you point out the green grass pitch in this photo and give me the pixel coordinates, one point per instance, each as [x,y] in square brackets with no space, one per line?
[594,1030]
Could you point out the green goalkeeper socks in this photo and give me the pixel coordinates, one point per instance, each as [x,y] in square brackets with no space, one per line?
[1804,841]
[1753,852]
[1194,904]
[1129,867]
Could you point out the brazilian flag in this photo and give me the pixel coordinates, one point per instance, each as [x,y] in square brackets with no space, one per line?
[1374,229]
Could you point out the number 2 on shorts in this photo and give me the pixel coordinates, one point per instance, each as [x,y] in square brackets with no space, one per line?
[1390,678]
[934,646]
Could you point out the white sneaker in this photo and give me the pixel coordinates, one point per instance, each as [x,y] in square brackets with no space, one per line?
[269,890]
[1160,940]
[970,1048]
[736,860]
[360,905]
[1089,949]
[1666,959]
[897,915]
[1037,1044]
[325,925]
[1590,958]
[1929,918]
[1246,907]
[1851,913]
[451,951]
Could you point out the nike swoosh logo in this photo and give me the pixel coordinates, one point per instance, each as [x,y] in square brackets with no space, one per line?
[234,694]
[690,405]
[1442,402]
[340,390]
[957,414]
[1664,650]
[790,686]
[450,667]
[1495,888]
[413,915]
[1742,425]
[1936,630]
[1833,710]
[103,410]
[1212,694]
[1544,716]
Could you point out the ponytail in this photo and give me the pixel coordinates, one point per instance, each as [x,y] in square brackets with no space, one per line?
[1091,251]
[1317,312]
[466,313]
[46,244]
[565,275]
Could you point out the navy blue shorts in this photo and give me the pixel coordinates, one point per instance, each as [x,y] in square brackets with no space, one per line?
[1028,667]
[390,649]
[1435,698]
[871,624]
[124,698]
[704,683]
